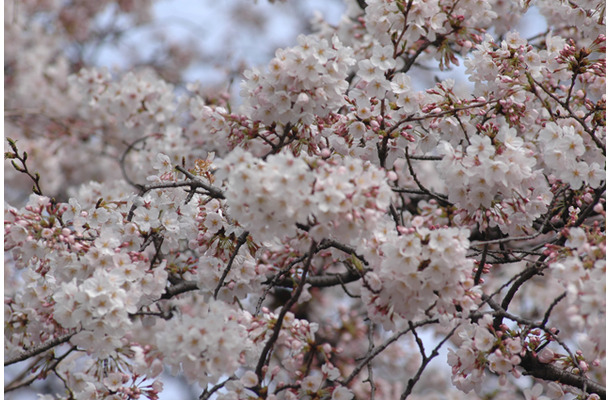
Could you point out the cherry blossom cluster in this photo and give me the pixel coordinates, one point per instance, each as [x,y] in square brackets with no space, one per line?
[340,199]
[411,26]
[120,377]
[481,348]
[493,179]
[138,101]
[303,81]
[564,154]
[580,269]
[420,269]
[210,343]
[261,194]
[582,18]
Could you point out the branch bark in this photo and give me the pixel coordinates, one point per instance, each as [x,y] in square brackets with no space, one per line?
[552,373]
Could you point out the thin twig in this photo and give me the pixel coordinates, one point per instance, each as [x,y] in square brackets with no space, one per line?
[425,361]
[547,314]
[240,241]
[207,393]
[372,354]
[442,199]
[369,366]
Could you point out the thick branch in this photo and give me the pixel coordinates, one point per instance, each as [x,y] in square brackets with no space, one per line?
[325,280]
[195,181]
[182,287]
[552,373]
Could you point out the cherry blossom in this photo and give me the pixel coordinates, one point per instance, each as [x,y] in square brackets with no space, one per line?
[323,226]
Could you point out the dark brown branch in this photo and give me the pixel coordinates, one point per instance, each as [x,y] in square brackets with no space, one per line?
[530,272]
[589,209]
[264,357]
[375,351]
[207,393]
[425,361]
[552,373]
[274,282]
[477,276]
[182,287]
[39,349]
[333,280]
[442,199]
[547,314]
[326,243]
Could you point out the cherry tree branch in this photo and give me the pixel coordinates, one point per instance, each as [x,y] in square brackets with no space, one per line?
[276,281]
[477,276]
[326,243]
[240,241]
[372,353]
[24,168]
[182,287]
[196,182]
[264,357]
[552,373]
[549,372]
[122,162]
[442,199]
[39,349]
[425,360]
[325,280]
[208,392]
[567,107]
[413,118]
[51,367]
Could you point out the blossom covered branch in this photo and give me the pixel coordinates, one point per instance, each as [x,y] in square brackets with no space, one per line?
[329,233]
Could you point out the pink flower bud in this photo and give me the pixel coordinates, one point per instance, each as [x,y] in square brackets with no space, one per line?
[546,355]
[584,367]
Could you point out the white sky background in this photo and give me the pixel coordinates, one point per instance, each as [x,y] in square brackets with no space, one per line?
[280,29]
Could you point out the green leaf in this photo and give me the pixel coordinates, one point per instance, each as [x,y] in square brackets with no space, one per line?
[356,262]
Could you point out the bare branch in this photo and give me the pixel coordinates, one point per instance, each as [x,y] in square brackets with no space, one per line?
[240,241]
[374,352]
[552,373]
[424,362]
[207,393]
[195,181]
[264,358]
[39,349]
